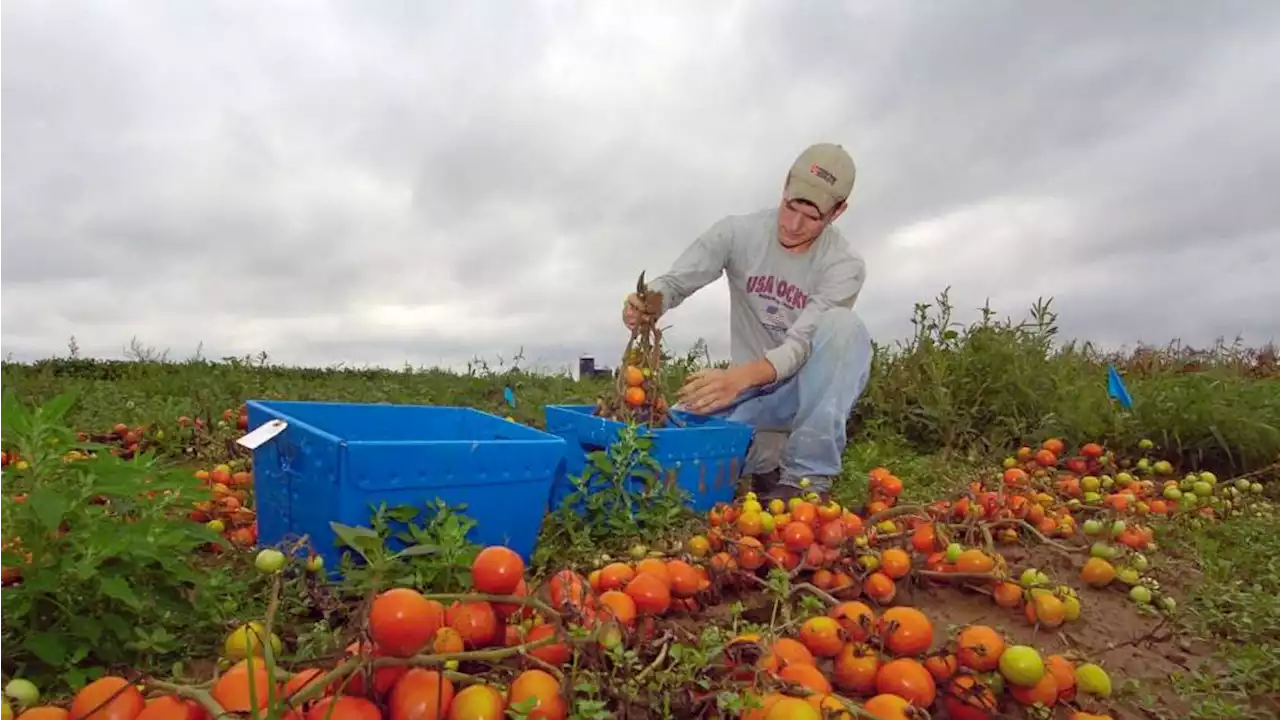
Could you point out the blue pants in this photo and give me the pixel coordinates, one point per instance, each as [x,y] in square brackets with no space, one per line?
[812,405]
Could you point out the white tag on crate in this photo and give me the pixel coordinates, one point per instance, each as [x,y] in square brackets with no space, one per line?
[261,434]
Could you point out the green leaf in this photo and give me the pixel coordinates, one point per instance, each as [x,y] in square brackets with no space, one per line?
[419,551]
[16,418]
[119,589]
[361,539]
[402,513]
[118,626]
[50,648]
[350,535]
[85,627]
[49,506]
[54,410]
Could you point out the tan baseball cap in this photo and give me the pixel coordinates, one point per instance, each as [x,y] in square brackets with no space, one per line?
[822,175]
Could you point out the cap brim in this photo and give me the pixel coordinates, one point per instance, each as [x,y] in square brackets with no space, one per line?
[801,188]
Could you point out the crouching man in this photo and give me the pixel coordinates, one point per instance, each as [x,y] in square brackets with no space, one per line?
[800,355]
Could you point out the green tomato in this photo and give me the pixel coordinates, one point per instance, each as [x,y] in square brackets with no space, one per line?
[953,552]
[269,561]
[23,691]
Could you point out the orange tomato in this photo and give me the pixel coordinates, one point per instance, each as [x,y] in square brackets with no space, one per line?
[402,621]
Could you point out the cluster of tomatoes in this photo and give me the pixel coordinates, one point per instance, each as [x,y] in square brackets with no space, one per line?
[404,623]
[227,512]
[889,660]
[830,546]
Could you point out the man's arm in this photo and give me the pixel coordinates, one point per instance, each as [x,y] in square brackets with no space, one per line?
[839,287]
[699,265]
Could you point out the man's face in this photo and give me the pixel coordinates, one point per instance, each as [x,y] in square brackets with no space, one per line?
[800,222]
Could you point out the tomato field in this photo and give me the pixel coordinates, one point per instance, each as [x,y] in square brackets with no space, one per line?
[1005,542]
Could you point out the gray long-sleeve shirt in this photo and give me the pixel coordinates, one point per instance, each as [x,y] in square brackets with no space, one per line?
[775,296]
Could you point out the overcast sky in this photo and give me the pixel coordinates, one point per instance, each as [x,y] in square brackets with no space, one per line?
[427,182]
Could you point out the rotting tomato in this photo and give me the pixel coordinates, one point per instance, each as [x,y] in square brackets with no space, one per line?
[569,592]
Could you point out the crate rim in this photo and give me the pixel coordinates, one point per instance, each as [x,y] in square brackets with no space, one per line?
[296,423]
[540,436]
[712,422]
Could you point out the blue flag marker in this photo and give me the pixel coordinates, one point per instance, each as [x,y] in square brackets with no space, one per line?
[1116,388]
[510,396]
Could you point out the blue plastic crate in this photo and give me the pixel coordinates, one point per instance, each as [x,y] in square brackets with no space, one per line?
[704,456]
[339,461]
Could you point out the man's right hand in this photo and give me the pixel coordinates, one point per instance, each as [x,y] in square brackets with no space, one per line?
[631,310]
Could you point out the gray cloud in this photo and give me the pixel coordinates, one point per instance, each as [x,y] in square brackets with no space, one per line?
[375,183]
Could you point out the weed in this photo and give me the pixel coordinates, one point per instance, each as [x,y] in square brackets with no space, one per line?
[617,502]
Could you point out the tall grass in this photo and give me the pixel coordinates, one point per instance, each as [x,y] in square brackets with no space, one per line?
[950,389]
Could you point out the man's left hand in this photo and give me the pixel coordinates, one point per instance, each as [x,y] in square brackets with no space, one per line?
[711,390]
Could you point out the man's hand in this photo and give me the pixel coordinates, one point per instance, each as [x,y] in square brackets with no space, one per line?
[631,310]
[711,390]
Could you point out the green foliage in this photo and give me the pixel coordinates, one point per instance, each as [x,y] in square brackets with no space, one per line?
[395,551]
[998,384]
[110,577]
[622,500]
[1237,603]
[950,389]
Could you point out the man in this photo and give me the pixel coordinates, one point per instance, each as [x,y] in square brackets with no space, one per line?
[800,355]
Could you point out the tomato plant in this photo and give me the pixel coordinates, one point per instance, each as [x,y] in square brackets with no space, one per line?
[104,555]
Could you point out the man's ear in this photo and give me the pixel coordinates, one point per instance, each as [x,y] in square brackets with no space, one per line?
[838,211]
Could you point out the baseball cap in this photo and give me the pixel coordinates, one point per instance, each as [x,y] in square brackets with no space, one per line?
[822,175]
